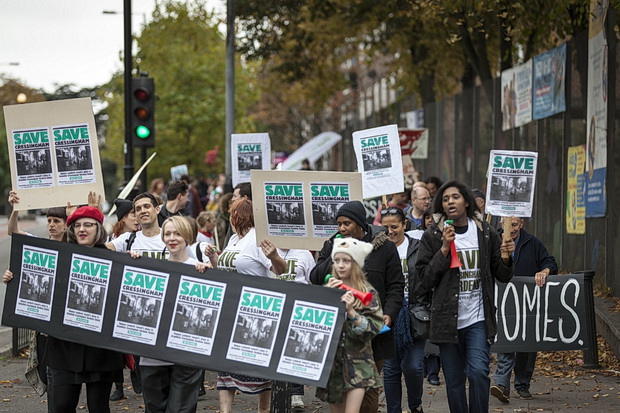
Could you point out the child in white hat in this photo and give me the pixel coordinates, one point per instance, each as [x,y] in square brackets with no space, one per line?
[354,369]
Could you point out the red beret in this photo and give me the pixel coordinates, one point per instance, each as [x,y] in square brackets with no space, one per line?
[85,212]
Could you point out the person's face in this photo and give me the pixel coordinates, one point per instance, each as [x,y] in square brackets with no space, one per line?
[421,200]
[454,205]
[515,227]
[85,231]
[145,211]
[173,239]
[395,228]
[480,202]
[236,195]
[56,227]
[432,189]
[428,221]
[130,222]
[210,226]
[183,199]
[348,228]
[343,264]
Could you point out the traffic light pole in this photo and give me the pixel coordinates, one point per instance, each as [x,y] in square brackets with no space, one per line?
[128,168]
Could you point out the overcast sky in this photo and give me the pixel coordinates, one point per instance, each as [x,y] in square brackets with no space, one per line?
[67,41]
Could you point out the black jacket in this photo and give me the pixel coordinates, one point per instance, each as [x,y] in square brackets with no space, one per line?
[417,297]
[531,256]
[436,274]
[383,271]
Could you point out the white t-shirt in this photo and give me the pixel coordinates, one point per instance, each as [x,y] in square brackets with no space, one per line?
[147,361]
[299,263]
[471,309]
[152,247]
[200,237]
[402,254]
[243,256]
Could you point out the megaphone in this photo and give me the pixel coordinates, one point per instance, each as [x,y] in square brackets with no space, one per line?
[365,298]
[455,262]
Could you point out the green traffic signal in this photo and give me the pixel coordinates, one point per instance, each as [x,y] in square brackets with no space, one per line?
[143,132]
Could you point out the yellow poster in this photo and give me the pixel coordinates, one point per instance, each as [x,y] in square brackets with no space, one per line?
[575,190]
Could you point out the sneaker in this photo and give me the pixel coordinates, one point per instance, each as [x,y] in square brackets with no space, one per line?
[501,393]
[117,395]
[297,402]
[524,394]
[434,381]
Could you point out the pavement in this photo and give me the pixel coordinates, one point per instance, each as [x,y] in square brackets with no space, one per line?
[569,389]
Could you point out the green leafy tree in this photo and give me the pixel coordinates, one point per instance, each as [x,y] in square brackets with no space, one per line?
[183,50]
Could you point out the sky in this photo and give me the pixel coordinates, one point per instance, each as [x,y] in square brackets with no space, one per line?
[68,41]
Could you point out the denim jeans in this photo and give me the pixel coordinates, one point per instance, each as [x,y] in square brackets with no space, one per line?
[523,366]
[410,364]
[469,358]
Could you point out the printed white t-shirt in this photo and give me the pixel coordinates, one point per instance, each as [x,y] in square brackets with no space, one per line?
[243,256]
[471,309]
[147,361]
[152,247]
[299,263]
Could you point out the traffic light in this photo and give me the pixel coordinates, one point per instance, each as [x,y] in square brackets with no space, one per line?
[143,112]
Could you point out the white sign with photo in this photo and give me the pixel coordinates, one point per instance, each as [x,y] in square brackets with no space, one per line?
[379,160]
[249,151]
[511,180]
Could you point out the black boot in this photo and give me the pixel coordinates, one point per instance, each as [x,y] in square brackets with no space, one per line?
[118,393]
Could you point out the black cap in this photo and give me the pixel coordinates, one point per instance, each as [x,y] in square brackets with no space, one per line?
[356,211]
[123,207]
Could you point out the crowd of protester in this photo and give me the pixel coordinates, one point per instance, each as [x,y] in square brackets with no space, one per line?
[403,257]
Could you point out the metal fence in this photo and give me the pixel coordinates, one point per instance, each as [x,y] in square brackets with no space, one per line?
[464,128]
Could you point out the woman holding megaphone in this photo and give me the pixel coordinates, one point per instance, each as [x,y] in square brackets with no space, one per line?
[463,314]
[354,369]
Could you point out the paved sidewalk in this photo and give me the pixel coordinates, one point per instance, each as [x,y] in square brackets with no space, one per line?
[592,393]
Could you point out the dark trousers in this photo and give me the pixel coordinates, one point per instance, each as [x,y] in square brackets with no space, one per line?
[170,389]
[67,396]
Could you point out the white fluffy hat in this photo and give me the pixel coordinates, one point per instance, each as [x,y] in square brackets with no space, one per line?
[358,250]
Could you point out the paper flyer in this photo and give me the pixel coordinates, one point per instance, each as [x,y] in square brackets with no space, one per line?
[249,151]
[139,308]
[74,160]
[88,286]
[257,320]
[310,328]
[510,186]
[36,287]
[33,158]
[379,160]
[284,203]
[327,198]
[197,313]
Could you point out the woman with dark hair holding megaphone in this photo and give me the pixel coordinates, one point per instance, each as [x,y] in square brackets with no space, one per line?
[463,312]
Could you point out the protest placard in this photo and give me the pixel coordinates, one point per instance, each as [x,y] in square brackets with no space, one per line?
[176,172]
[379,160]
[548,318]
[511,177]
[167,310]
[297,209]
[414,143]
[249,151]
[53,145]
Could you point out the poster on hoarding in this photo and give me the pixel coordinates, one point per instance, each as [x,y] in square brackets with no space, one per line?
[549,91]
[53,153]
[575,190]
[517,96]
[297,209]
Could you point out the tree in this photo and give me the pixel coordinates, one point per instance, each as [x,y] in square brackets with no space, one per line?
[183,50]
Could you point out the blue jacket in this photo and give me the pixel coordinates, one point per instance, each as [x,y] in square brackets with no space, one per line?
[531,256]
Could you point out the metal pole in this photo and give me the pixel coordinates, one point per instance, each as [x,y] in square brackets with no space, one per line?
[230,80]
[128,168]
[590,355]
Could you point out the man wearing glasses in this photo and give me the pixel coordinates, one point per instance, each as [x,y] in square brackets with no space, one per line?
[420,202]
